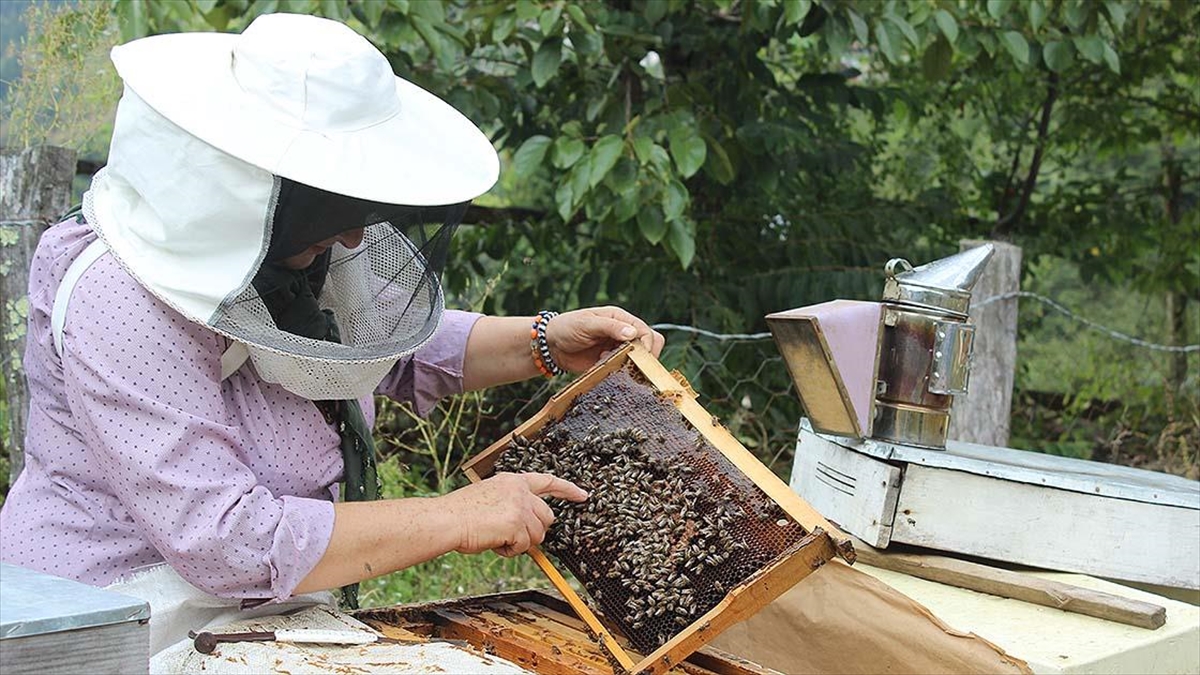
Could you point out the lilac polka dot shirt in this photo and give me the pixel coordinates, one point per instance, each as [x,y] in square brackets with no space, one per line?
[137,453]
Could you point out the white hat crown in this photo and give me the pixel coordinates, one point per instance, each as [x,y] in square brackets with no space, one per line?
[314,74]
[211,125]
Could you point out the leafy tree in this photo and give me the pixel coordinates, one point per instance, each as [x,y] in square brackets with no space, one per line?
[709,161]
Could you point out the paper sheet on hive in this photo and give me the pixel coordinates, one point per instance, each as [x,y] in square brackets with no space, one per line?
[841,620]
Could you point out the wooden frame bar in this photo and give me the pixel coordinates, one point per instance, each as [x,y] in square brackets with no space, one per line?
[823,542]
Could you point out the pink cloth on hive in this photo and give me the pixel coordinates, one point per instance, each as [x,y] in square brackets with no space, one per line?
[137,454]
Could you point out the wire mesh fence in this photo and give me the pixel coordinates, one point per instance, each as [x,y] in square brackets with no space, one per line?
[739,378]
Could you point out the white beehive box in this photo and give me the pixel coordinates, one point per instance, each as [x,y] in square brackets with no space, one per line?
[1004,504]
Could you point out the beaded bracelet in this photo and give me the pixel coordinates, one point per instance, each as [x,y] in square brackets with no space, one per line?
[540,348]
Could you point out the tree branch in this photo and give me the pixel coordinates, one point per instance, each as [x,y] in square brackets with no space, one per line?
[1006,225]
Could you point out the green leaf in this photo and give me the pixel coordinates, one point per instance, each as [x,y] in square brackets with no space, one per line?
[372,11]
[946,22]
[718,165]
[604,155]
[675,199]
[1037,14]
[578,176]
[433,40]
[546,62]
[549,18]
[795,10]
[503,26]
[527,10]
[132,18]
[1016,45]
[905,28]
[530,155]
[651,224]
[1058,55]
[1116,14]
[587,45]
[643,147]
[682,241]
[655,11]
[205,6]
[1111,58]
[1091,46]
[567,151]
[1077,13]
[623,177]
[218,18]
[579,17]
[688,149]
[935,63]
[860,27]
[998,8]
[433,12]
[660,160]
[564,200]
[627,206]
[885,43]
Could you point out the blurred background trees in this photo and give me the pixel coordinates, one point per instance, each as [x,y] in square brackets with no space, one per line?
[706,162]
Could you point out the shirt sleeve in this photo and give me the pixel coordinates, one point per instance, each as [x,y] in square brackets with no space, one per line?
[435,370]
[144,386]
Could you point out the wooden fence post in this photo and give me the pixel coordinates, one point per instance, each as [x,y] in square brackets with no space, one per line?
[983,415]
[35,188]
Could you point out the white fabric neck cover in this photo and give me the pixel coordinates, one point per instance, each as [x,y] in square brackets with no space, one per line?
[187,220]
[191,224]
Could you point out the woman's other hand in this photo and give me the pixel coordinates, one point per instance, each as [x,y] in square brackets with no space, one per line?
[507,513]
[578,339]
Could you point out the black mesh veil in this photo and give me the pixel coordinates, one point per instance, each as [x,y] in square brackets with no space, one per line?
[304,216]
[385,293]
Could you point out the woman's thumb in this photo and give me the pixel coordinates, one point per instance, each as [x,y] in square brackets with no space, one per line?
[619,330]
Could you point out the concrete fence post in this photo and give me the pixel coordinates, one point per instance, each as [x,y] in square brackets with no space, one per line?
[983,415]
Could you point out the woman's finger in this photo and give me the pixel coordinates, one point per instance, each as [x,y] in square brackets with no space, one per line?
[543,512]
[545,485]
[656,341]
[515,546]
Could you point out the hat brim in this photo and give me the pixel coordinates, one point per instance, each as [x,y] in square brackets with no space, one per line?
[428,154]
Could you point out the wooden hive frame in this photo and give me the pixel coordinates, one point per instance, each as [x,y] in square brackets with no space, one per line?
[823,542]
[531,628]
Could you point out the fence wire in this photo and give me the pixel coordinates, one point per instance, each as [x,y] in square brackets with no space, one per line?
[739,377]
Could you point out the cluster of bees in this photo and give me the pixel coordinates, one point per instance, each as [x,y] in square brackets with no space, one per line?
[659,542]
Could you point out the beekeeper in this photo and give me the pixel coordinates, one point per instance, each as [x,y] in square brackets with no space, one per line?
[260,256]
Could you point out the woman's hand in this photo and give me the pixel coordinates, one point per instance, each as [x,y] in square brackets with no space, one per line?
[578,339]
[507,513]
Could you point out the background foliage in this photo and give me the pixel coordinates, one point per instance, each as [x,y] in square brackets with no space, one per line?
[706,162]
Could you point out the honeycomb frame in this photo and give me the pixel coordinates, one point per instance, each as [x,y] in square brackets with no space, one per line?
[820,542]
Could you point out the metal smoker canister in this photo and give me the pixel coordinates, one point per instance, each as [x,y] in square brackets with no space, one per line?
[925,351]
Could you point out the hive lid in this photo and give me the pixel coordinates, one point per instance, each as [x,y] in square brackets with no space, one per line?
[943,285]
[832,354]
[34,603]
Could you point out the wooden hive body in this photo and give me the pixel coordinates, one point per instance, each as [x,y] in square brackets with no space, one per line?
[534,629]
[772,538]
[1017,506]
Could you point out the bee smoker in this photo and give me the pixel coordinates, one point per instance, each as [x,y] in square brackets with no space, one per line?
[887,370]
